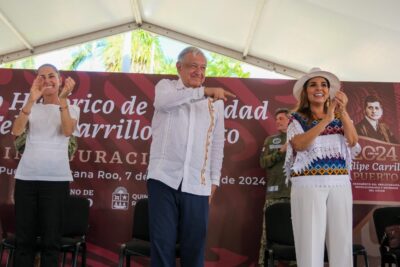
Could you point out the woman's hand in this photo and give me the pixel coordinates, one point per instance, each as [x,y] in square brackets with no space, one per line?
[36,89]
[349,130]
[342,100]
[67,89]
[330,114]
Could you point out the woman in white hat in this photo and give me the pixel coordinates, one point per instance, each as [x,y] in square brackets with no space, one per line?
[321,140]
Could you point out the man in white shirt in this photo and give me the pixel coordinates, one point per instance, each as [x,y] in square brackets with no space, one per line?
[185,161]
[372,126]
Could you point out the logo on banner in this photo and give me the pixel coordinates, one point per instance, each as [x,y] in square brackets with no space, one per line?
[120,199]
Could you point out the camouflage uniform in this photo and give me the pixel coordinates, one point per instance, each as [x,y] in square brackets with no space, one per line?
[272,160]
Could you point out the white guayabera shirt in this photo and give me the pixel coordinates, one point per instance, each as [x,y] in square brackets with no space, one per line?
[188,138]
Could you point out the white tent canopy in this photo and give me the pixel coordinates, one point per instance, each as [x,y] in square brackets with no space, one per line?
[359,40]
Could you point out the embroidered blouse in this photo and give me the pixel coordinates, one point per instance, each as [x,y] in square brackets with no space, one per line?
[329,154]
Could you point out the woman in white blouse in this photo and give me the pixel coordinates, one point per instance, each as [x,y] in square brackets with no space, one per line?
[321,137]
[43,173]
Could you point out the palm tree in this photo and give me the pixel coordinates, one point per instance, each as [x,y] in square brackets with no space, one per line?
[83,53]
[140,51]
[145,50]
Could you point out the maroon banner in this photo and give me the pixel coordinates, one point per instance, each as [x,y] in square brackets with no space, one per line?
[110,165]
[376,170]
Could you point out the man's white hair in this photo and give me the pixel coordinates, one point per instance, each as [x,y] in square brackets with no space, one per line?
[190,49]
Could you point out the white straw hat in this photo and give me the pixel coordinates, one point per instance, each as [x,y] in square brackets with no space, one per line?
[317,72]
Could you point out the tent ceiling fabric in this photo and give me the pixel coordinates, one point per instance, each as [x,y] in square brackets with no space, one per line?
[358,40]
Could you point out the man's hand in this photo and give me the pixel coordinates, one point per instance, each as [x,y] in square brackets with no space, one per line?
[213,188]
[217,93]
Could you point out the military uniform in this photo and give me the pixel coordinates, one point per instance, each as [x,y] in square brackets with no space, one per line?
[272,160]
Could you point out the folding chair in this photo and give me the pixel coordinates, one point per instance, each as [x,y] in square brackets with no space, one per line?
[139,245]
[75,225]
[383,217]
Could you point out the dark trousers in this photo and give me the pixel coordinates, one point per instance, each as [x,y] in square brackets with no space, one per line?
[175,214]
[39,212]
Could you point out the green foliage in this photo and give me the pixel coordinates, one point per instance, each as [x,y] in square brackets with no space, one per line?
[111,53]
[146,52]
[222,66]
[8,65]
[143,54]
[26,63]
[146,56]
[167,66]
[83,53]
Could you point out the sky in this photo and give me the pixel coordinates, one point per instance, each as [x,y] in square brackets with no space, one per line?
[170,47]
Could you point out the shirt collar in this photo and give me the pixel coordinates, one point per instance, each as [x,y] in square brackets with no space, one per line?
[373,123]
[180,85]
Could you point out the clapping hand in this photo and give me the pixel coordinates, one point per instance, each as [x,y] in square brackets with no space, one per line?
[68,87]
[36,89]
[330,115]
[341,100]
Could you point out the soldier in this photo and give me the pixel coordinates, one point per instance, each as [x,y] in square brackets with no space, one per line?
[272,158]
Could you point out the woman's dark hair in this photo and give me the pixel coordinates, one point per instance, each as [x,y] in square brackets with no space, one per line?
[49,65]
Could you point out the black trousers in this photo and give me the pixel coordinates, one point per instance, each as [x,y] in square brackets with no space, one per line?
[173,214]
[39,212]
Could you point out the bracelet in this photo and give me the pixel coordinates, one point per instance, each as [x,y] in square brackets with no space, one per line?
[24,112]
[63,108]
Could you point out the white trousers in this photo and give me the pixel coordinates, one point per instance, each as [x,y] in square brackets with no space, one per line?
[319,214]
